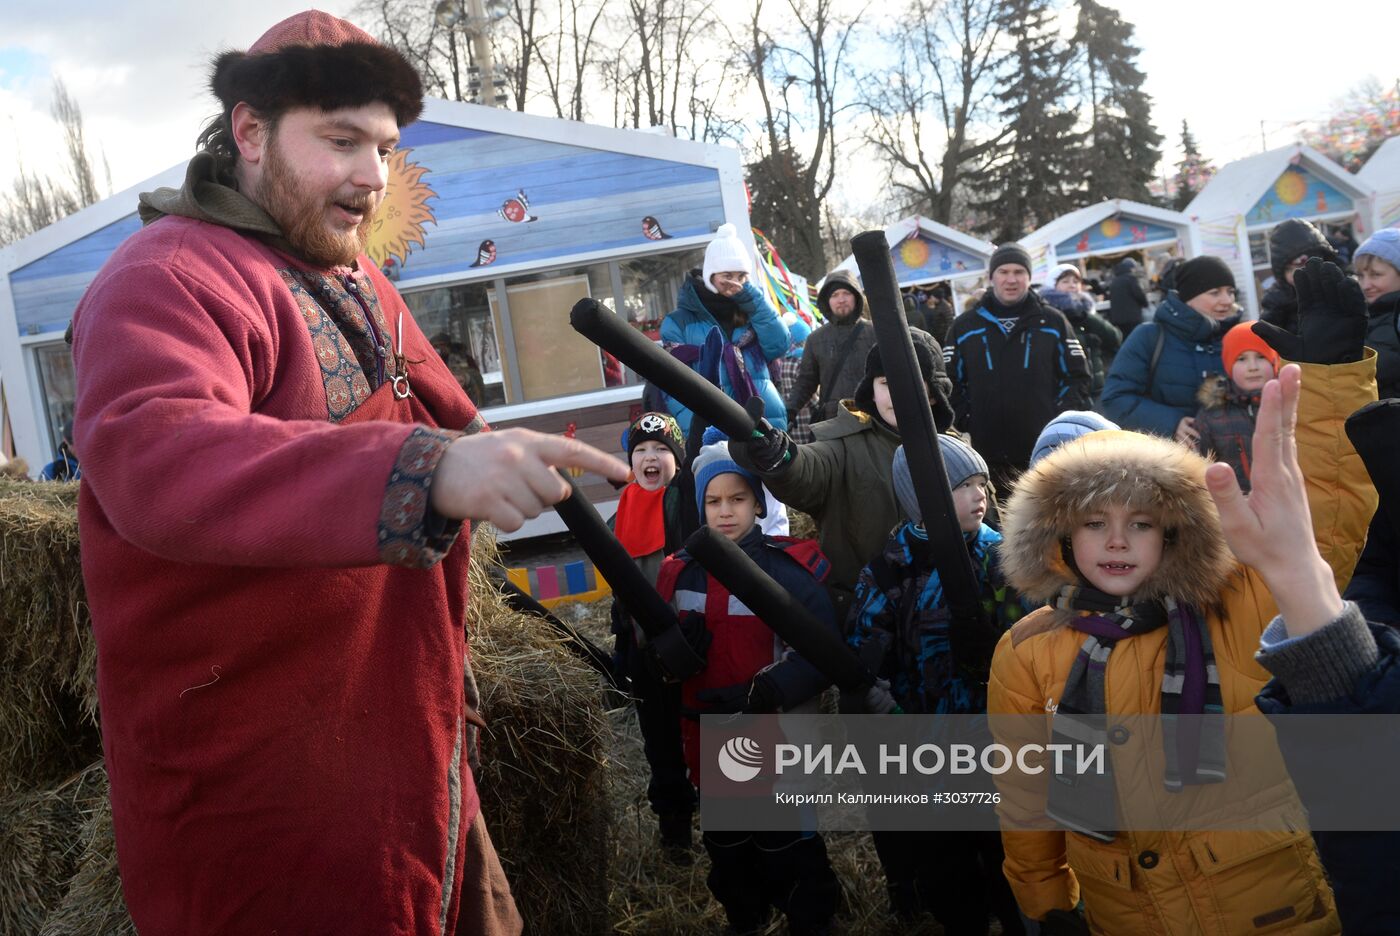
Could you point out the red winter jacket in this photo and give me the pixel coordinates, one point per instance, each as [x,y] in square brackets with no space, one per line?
[280,637]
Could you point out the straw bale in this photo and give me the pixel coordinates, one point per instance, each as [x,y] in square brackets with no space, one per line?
[544,760]
[41,836]
[48,660]
[801,525]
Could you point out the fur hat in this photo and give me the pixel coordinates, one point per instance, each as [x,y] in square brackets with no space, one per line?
[931,367]
[726,254]
[714,460]
[1110,467]
[655,427]
[317,60]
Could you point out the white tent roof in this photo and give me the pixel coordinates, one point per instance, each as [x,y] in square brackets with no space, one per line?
[1068,225]
[904,228]
[1382,170]
[1239,185]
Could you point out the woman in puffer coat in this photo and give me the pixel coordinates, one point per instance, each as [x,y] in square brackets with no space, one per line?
[1064,290]
[1184,337]
[1079,532]
[724,328]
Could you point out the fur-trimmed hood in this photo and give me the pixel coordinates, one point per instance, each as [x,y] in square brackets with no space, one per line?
[1116,467]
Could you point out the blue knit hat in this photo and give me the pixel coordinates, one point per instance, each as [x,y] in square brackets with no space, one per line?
[713,460]
[1384,245]
[960,461]
[1069,425]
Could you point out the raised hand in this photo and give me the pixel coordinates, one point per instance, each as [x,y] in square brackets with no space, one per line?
[1271,528]
[1332,318]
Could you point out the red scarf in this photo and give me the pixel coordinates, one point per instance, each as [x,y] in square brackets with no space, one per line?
[641,520]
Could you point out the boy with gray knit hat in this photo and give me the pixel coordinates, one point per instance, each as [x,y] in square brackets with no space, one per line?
[900,608]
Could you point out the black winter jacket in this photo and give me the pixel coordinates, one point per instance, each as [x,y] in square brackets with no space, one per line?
[1382,336]
[1126,298]
[1099,338]
[1010,380]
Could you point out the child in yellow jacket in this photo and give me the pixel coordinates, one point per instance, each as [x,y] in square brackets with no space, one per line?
[1149,613]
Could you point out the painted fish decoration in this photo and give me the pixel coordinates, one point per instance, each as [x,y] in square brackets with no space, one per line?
[517,209]
[485,254]
[652,229]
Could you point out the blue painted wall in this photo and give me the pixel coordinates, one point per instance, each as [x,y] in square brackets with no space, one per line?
[1297,193]
[583,201]
[921,258]
[1119,232]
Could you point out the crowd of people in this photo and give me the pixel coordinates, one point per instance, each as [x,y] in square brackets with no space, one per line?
[1099,476]
[279,472]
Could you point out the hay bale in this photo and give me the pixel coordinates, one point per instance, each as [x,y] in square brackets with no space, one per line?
[92,904]
[543,779]
[48,659]
[801,525]
[40,847]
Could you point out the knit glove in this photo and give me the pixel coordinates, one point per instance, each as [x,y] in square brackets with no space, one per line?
[750,299]
[1063,923]
[1332,318]
[759,696]
[771,449]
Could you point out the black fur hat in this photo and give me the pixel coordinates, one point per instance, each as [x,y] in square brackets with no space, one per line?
[314,59]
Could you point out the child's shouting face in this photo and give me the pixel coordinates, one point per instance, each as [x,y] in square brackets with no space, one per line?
[1251,371]
[653,464]
[1117,549]
[730,506]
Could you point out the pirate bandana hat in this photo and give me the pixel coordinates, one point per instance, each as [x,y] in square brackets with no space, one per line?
[317,60]
[655,427]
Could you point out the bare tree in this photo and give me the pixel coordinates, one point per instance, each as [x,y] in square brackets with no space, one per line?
[799,74]
[925,111]
[573,46]
[35,201]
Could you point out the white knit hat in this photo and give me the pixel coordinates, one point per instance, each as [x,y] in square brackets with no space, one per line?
[725,254]
[1059,270]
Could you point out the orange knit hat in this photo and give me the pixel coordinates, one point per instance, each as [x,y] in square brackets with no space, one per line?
[1240,339]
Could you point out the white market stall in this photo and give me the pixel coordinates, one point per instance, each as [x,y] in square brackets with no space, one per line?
[494,223]
[1243,202]
[927,252]
[1097,237]
[1382,173]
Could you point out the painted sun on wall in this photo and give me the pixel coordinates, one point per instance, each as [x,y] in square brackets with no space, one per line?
[398,227]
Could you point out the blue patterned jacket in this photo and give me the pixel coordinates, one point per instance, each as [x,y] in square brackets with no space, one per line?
[899,606]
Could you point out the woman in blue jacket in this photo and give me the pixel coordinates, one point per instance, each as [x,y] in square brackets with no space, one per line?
[725,329]
[1152,384]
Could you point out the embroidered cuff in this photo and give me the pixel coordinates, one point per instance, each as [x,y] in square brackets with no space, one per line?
[1324,665]
[411,533]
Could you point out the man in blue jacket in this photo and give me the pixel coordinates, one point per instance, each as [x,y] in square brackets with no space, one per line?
[724,329]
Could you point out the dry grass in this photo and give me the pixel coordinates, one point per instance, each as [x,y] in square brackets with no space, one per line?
[48,661]
[563,783]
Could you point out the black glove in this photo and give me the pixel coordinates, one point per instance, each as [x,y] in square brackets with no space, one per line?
[1332,318]
[759,696]
[695,632]
[1063,923]
[772,450]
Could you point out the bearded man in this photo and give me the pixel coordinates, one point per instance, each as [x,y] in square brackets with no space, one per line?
[834,357]
[278,471]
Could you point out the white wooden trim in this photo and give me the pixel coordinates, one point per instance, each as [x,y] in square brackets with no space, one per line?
[576,401]
[1147,245]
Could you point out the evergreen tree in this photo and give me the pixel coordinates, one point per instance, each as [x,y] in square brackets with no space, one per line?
[1192,172]
[1037,177]
[786,210]
[1124,147]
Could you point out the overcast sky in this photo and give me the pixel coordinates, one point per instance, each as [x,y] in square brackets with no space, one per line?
[137,68]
